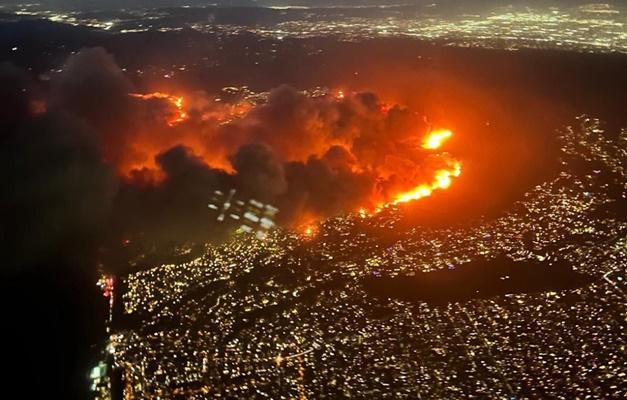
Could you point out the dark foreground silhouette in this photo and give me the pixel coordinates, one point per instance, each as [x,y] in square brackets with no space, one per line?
[52,318]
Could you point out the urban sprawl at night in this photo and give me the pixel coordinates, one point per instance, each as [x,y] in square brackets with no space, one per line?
[294,315]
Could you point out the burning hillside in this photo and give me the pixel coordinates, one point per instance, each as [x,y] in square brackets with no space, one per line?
[178,115]
[312,155]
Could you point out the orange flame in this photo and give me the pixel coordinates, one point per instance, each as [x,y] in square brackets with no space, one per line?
[435,139]
[442,178]
[178,117]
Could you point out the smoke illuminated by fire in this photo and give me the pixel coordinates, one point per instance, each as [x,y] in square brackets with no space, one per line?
[310,154]
[373,154]
[178,116]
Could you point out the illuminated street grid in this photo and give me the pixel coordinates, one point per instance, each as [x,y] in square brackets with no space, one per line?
[584,28]
[594,27]
[288,317]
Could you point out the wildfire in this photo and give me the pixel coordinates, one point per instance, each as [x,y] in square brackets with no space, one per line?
[435,139]
[224,127]
[442,178]
[177,102]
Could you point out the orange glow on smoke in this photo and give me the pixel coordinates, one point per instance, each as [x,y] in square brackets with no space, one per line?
[179,116]
[435,139]
[154,140]
[37,107]
[442,178]
[400,174]
[309,231]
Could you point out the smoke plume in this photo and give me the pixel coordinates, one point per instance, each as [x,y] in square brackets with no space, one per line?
[101,158]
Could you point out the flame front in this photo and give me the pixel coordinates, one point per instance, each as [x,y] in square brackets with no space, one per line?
[442,178]
[177,102]
[408,165]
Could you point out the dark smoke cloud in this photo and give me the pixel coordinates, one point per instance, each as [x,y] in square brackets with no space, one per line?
[176,209]
[57,192]
[311,157]
[325,186]
[15,95]
[297,126]
[338,154]
[55,200]
[92,86]
[259,173]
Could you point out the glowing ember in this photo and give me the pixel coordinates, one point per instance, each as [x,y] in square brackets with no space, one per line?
[436,138]
[179,116]
[37,107]
[309,230]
